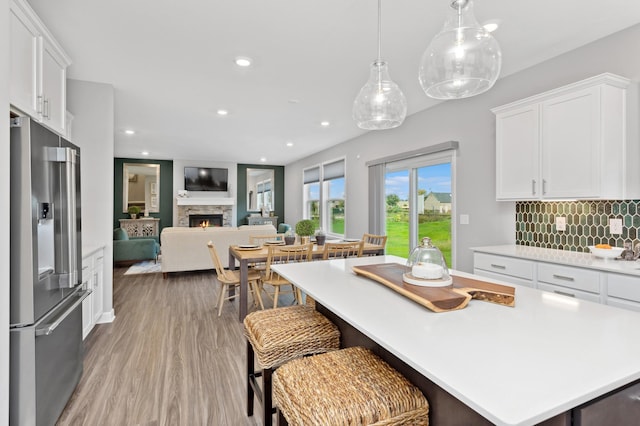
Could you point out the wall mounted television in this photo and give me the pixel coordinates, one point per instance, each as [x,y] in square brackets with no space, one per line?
[205,179]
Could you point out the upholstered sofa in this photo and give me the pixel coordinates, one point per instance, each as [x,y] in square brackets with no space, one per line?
[133,249]
[185,249]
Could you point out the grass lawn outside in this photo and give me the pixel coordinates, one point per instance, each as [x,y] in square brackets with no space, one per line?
[438,229]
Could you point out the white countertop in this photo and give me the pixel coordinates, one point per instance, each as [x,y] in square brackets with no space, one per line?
[563,257]
[514,366]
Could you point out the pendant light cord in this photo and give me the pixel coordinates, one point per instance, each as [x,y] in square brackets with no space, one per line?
[379,27]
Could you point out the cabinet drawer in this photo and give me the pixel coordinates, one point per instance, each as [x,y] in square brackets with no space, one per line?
[622,303]
[506,278]
[570,292]
[504,265]
[624,287]
[567,276]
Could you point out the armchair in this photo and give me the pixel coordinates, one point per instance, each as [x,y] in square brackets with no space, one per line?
[133,249]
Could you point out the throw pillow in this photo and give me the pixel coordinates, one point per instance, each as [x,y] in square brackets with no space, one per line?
[120,234]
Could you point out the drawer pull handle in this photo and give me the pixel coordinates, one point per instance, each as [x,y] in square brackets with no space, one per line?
[563,293]
[563,277]
[493,265]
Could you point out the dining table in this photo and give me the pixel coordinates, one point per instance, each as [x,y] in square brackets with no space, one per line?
[246,255]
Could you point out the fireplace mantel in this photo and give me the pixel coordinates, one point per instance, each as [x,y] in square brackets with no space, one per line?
[208,201]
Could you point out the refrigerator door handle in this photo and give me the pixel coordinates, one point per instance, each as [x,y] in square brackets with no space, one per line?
[69,276]
[48,328]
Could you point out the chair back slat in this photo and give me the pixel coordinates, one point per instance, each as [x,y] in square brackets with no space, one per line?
[216,262]
[375,240]
[342,250]
[287,254]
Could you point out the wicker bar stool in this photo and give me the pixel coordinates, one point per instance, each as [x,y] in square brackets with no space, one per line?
[276,336]
[350,386]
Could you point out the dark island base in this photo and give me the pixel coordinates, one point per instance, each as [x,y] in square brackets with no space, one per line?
[620,407]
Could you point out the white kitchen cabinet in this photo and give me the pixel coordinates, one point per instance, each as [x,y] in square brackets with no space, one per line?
[517,154]
[623,291]
[516,271]
[38,69]
[566,143]
[569,281]
[93,277]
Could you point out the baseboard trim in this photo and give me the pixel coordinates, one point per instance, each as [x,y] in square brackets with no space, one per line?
[107,317]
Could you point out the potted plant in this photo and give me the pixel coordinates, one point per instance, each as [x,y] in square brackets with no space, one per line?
[289,237]
[134,211]
[305,229]
[320,237]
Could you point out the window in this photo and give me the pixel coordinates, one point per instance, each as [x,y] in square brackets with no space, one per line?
[418,198]
[412,195]
[312,195]
[324,196]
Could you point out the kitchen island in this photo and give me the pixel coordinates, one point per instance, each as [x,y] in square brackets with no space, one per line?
[543,361]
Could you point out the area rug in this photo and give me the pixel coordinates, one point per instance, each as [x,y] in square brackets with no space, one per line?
[144,267]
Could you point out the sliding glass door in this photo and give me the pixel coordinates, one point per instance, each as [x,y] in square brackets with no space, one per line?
[418,196]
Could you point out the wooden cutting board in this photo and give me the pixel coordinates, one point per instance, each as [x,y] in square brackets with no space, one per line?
[439,299]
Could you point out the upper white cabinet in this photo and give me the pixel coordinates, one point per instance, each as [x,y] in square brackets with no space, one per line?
[38,69]
[566,143]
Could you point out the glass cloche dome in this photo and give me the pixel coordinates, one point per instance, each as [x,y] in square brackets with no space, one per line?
[426,266]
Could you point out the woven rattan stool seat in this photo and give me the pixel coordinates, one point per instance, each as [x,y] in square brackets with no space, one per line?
[282,334]
[276,336]
[347,387]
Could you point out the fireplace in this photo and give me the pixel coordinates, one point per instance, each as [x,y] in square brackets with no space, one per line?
[203,219]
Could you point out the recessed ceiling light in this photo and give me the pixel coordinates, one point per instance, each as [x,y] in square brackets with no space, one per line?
[263,159]
[145,153]
[243,61]
[130,132]
[324,123]
[289,143]
[491,25]
[222,112]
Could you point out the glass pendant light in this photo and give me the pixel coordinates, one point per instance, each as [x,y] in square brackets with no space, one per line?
[380,103]
[463,60]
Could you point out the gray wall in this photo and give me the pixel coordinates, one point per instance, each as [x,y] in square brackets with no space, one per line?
[92,105]
[4,212]
[471,122]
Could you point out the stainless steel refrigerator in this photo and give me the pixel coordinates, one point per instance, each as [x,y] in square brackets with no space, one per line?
[46,351]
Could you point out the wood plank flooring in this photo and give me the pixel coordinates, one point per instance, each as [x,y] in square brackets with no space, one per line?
[167,359]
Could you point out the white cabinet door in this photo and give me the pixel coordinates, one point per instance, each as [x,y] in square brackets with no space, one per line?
[566,143]
[54,87]
[517,156]
[24,61]
[87,303]
[570,145]
[98,285]
[38,69]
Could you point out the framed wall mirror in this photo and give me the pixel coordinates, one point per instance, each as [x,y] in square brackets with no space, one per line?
[141,187]
[260,189]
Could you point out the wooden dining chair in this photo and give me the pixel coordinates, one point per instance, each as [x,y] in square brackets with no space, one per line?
[283,254]
[374,240]
[342,250]
[232,278]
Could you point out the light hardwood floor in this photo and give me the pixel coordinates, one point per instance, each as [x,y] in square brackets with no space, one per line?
[167,359]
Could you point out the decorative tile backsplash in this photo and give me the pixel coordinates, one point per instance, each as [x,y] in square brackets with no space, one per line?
[587,223]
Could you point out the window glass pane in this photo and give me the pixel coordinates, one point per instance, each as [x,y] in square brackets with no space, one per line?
[335,206]
[312,202]
[397,212]
[434,206]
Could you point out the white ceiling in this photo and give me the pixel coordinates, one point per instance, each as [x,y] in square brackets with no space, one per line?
[172,63]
